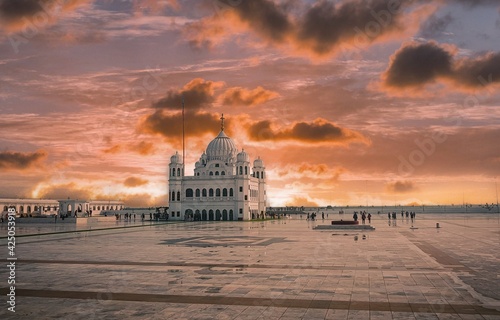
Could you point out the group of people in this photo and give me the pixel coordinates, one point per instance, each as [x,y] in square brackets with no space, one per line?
[364,216]
[411,215]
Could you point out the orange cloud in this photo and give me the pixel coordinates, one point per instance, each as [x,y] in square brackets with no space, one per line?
[417,65]
[301,201]
[114,149]
[401,187]
[154,6]
[313,171]
[143,148]
[238,96]
[134,182]
[318,131]
[21,161]
[63,191]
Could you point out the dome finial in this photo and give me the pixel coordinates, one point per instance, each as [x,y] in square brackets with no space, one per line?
[222,123]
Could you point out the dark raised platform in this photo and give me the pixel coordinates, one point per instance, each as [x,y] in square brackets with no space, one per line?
[351,226]
[347,222]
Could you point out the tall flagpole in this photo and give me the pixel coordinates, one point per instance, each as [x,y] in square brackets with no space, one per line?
[183,139]
[183,159]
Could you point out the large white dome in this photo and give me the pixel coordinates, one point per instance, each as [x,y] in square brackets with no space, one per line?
[221,148]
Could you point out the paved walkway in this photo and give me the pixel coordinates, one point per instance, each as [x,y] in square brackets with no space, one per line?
[280,269]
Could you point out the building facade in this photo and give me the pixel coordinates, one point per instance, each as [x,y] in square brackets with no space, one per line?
[70,207]
[224,185]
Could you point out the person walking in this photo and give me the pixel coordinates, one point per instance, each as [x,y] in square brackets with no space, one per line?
[369,218]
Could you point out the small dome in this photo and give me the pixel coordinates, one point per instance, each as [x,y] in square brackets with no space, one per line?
[176,158]
[258,163]
[198,164]
[243,156]
[221,148]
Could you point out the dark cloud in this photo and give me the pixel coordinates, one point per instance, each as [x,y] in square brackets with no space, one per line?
[198,93]
[318,131]
[134,182]
[17,9]
[238,96]
[169,125]
[401,187]
[326,25]
[266,18]
[21,161]
[418,64]
[319,30]
[478,72]
[19,14]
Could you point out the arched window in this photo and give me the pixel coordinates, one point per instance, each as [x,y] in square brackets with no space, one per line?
[211,192]
[216,173]
[197,193]
[217,192]
[231,192]
[223,173]
[246,170]
[204,193]
[211,173]
[21,209]
[178,172]
[178,196]
[224,192]
[28,209]
[98,207]
[5,208]
[173,172]
[173,196]
[258,175]
[189,193]
[241,170]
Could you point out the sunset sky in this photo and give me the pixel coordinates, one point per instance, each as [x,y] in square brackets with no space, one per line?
[348,102]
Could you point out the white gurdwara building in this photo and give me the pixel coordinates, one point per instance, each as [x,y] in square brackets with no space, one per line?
[224,186]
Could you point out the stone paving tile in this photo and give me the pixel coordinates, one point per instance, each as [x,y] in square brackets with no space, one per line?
[269,270]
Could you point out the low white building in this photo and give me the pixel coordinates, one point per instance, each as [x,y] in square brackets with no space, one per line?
[36,207]
[223,187]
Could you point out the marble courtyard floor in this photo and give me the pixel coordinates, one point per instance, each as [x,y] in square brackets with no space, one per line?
[281,269]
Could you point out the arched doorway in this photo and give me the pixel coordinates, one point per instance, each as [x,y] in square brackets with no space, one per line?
[224,215]
[188,214]
[217,215]
[211,215]
[197,215]
[231,215]
[204,215]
